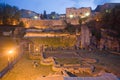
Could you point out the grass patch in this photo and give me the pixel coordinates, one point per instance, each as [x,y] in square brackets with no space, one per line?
[55,41]
[68,60]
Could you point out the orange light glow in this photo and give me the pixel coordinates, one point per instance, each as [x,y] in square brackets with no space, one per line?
[10,51]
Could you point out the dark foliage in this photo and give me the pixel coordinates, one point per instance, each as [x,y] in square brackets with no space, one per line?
[9,14]
[70,28]
[111,20]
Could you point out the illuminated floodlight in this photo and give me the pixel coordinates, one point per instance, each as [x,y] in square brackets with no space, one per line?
[36,49]
[82,16]
[87,14]
[53,17]
[71,16]
[36,17]
[10,51]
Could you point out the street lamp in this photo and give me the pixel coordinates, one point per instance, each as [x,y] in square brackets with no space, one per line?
[35,17]
[87,14]
[36,49]
[71,16]
[10,52]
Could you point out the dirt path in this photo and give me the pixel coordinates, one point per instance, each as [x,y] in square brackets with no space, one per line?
[25,70]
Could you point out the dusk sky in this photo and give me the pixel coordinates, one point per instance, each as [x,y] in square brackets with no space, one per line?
[58,6]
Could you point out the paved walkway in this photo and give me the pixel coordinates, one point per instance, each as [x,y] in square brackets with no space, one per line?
[24,70]
[107,76]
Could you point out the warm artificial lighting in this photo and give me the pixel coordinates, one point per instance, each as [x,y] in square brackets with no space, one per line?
[10,52]
[36,17]
[82,16]
[97,19]
[36,49]
[87,14]
[53,17]
[107,11]
[71,16]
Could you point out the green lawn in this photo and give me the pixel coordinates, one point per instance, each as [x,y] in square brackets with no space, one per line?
[55,41]
[68,60]
[25,70]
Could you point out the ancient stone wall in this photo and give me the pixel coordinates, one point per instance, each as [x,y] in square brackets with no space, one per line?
[85,36]
[108,42]
[74,21]
[60,24]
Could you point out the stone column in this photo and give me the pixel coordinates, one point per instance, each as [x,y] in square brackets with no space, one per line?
[85,36]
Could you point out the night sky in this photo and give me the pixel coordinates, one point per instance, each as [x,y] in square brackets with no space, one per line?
[58,6]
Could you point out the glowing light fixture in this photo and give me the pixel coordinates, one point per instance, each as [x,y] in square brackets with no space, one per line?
[36,49]
[82,16]
[35,17]
[53,17]
[10,51]
[71,16]
[87,14]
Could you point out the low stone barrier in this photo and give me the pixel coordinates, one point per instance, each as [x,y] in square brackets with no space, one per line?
[74,68]
[48,61]
[71,65]
[89,60]
[34,57]
[57,68]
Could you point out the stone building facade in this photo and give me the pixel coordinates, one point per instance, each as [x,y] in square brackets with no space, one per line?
[75,13]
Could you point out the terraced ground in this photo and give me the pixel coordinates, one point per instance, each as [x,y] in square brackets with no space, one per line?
[25,69]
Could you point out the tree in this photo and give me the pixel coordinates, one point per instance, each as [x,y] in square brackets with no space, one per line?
[111,20]
[21,24]
[45,15]
[70,28]
[9,15]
